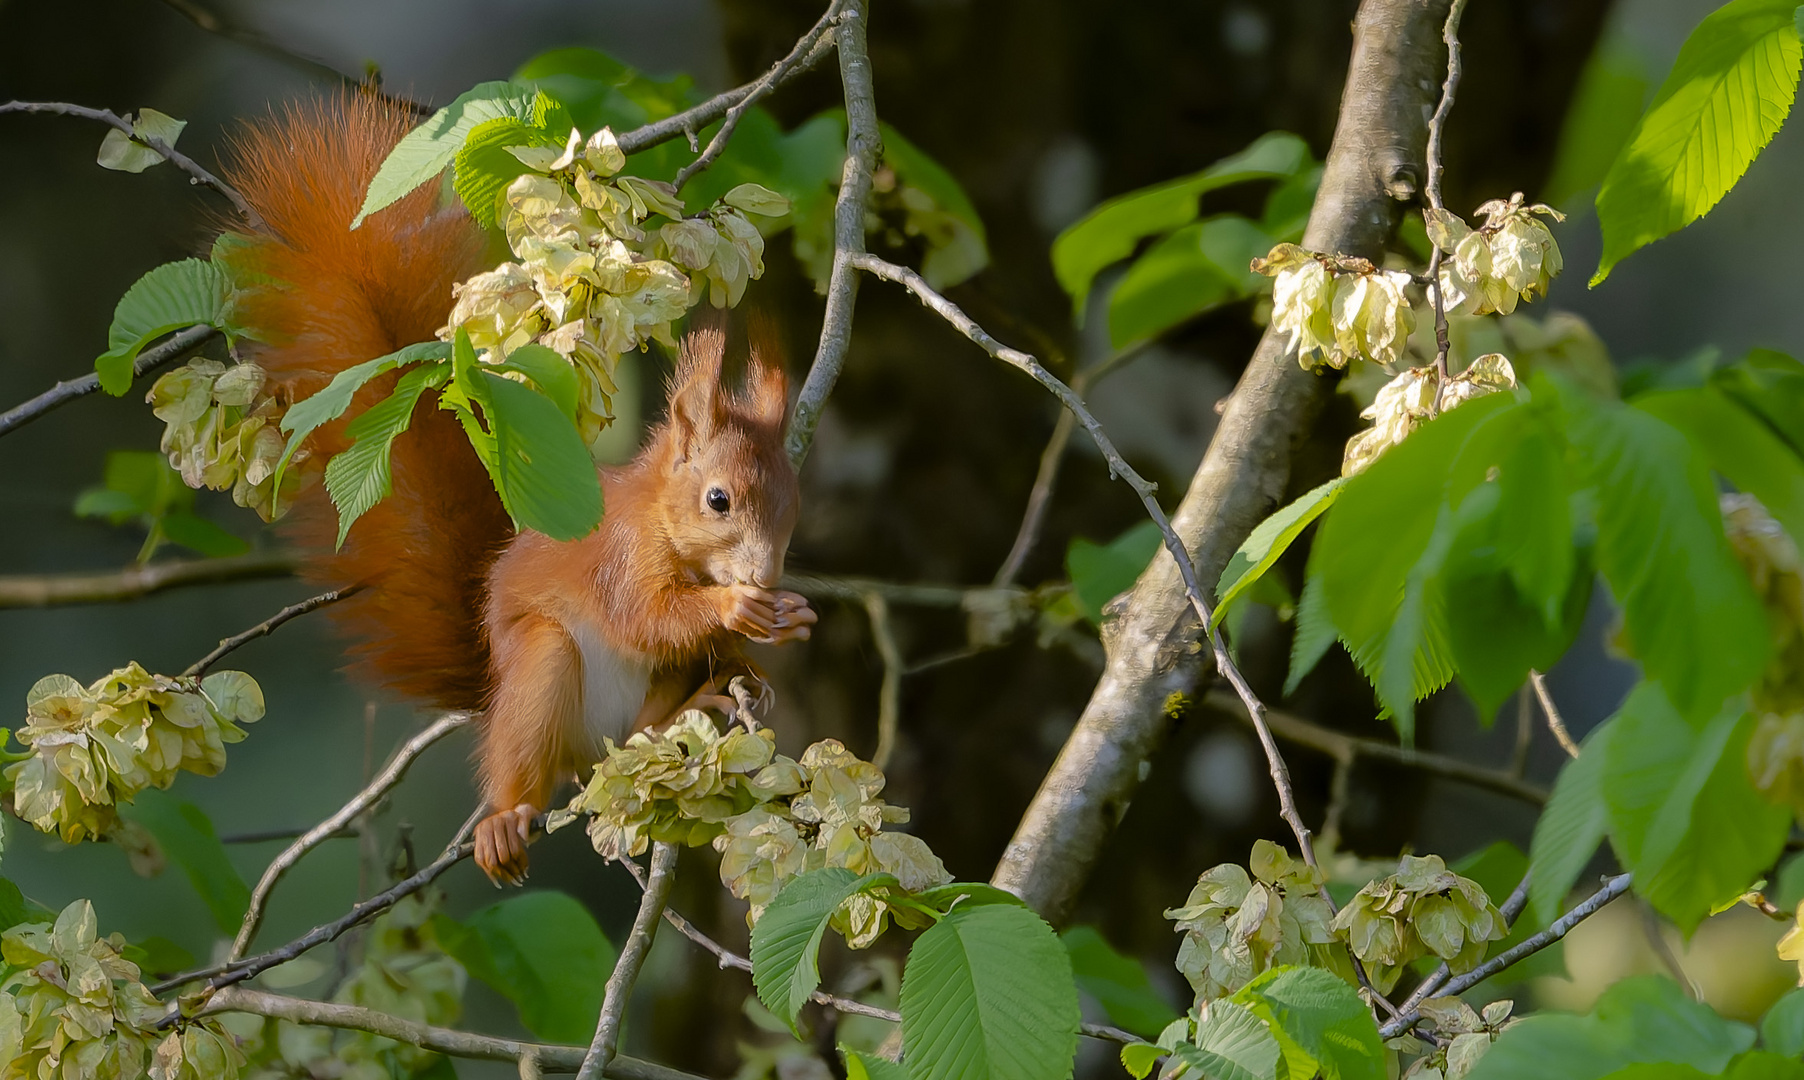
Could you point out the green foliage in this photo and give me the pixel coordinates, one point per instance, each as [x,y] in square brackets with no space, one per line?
[139,487]
[1684,816]
[988,993]
[1232,1043]
[1782,1028]
[358,477]
[1726,96]
[1321,1015]
[545,953]
[786,940]
[1315,633]
[171,297]
[871,1067]
[1739,445]
[1195,269]
[545,475]
[1570,828]
[425,151]
[1118,983]
[1271,539]
[1771,386]
[937,209]
[186,836]
[550,373]
[1642,1019]
[330,402]
[1101,572]
[127,153]
[484,168]
[1498,868]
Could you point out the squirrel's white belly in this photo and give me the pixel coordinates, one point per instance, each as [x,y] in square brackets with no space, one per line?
[614,686]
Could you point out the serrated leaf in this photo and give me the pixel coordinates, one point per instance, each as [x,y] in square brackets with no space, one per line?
[186,835]
[1782,1028]
[171,297]
[786,941]
[544,952]
[1323,1015]
[1269,540]
[330,402]
[1570,828]
[1100,572]
[1684,817]
[358,477]
[546,477]
[484,167]
[554,376]
[1112,231]
[1232,1044]
[1739,446]
[871,1067]
[1314,632]
[1689,614]
[1726,96]
[425,151]
[966,893]
[987,994]
[1118,983]
[1647,1018]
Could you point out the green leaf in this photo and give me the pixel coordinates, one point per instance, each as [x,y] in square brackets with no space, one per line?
[1782,1028]
[186,836]
[987,994]
[1323,1014]
[1726,96]
[158,956]
[1270,539]
[553,375]
[1570,828]
[1101,572]
[13,909]
[425,151]
[871,1067]
[544,472]
[968,893]
[544,952]
[1195,269]
[171,297]
[1771,386]
[484,168]
[1689,614]
[358,477]
[1761,1065]
[330,402]
[1232,1043]
[200,535]
[786,941]
[1647,1018]
[1683,815]
[1112,231]
[1118,983]
[1314,634]
[125,153]
[1608,100]
[1738,445]
[967,251]
[1139,1058]
[1498,869]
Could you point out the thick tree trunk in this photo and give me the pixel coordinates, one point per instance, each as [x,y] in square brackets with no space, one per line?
[1153,640]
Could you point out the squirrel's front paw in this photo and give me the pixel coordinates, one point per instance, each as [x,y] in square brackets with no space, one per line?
[795,618]
[749,610]
[501,844]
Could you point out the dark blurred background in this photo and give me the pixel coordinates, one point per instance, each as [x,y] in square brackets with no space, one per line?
[1040,108]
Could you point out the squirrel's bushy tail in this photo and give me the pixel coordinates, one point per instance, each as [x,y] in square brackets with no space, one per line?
[336,298]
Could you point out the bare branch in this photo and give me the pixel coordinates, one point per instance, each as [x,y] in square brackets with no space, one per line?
[196,174]
[1151,644]
[803,54]
[49,590]
[1554,723]
[864,143]
[693,119]
[384,782]
[212,23]
[1437,130]
[264,836]
[268,626]
[889,697]
[181,344]
[463,1044]
[632,958]
[1562,926]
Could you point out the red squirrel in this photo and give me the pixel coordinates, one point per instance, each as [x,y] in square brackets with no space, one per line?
[557,644]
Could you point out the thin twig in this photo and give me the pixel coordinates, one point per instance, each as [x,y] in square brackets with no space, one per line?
[1554,723]
[212,23]
[855,589]
[889,696]
[1512,907]
[1437,132]
[758,88]
[632,958]
[264,836]
[181,344]
[864,143]
[463,1044]
[1340,788]
[1051,461]
[1563,925]
[196,173]
[48,590]
[383,783]
[268,626]
[693,119]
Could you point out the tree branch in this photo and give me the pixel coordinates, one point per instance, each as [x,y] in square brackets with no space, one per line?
[864,143]
[1152,643]
[1554,723]
[384,782]
[889,696]
[181,344]
[267,627]
[463,1044]
[693,119]
[49,590]
[196,174]
[802,55]
[1437,130]
[632,958]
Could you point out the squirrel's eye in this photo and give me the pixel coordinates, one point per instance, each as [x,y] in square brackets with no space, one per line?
[718,501]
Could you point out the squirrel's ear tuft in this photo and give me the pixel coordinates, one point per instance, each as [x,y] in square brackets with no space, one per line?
[766,386]
[696,404]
